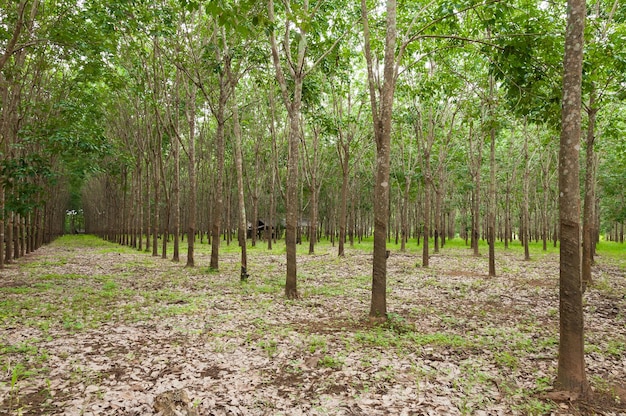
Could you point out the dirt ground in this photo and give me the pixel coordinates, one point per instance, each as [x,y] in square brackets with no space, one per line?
[90,328]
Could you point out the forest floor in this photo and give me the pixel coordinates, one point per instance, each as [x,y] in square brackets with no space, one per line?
[91,328]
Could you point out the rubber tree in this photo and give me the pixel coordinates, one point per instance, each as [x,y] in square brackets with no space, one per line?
[291,70]
[571,366]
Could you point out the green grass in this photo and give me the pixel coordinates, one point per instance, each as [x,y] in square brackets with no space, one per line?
[613,252]
[82,240]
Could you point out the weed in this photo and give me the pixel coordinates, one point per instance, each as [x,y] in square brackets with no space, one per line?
[543,384]
[378,336]
[398,324]
[533,406]
[269,346]
[109,286]
[440,339]
[72,324]
[329,361]
[504,359]
[616,348]
[317,343]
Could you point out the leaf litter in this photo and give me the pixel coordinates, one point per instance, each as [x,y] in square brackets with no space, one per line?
[123,333]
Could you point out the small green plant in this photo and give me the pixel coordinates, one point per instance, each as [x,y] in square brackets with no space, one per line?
[398,324]
[317,343]
[543,384]
[109,286]
[616,348]
[73,324]
[533,406]
[269,346]
[506,360]
[377,336]
[329,361]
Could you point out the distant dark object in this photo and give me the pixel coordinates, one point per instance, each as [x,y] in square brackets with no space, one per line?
[260,229]
[388,254]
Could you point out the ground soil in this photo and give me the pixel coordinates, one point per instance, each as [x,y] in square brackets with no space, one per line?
[90,329]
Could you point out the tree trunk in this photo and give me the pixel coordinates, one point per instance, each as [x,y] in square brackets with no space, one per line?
[191,156]
[589,202]
[571,366]
[148,206]
[291,289]
[382,107]
[156,185]
[491,227]
[525,229]
[271,232]
[176,195]
[218,201]
[140,207]
[293,102]
[8,258]
[405,213]
[344,152]
[507,215]
[426,227]
[241,201]
[475,165]
[437,218]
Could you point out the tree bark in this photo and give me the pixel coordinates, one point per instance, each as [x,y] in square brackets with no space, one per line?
[176,184]
[589,201]
[218,201]
[491,227]
[241,201]
[475,165]
[571,367]
[191,156]
[344,156]
[525,229]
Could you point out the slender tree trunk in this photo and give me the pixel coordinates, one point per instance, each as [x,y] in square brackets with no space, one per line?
[255,195]
[140,207]
[313,225]
[525,231]
[148,206]
[17,221]
[8,258]
[491,228]
[291,289]
[382,107]
[241,201]
[544,218]
[437,218]
[507,215]
[273,229]
[23,236]
[476,216]
[155,221]
[176,196]
[589,201]
[571,366]
[475,164]
[292,99]
[176,184]
[218,201]
[191,156]
[343,213]
[405,213]
[426,228]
